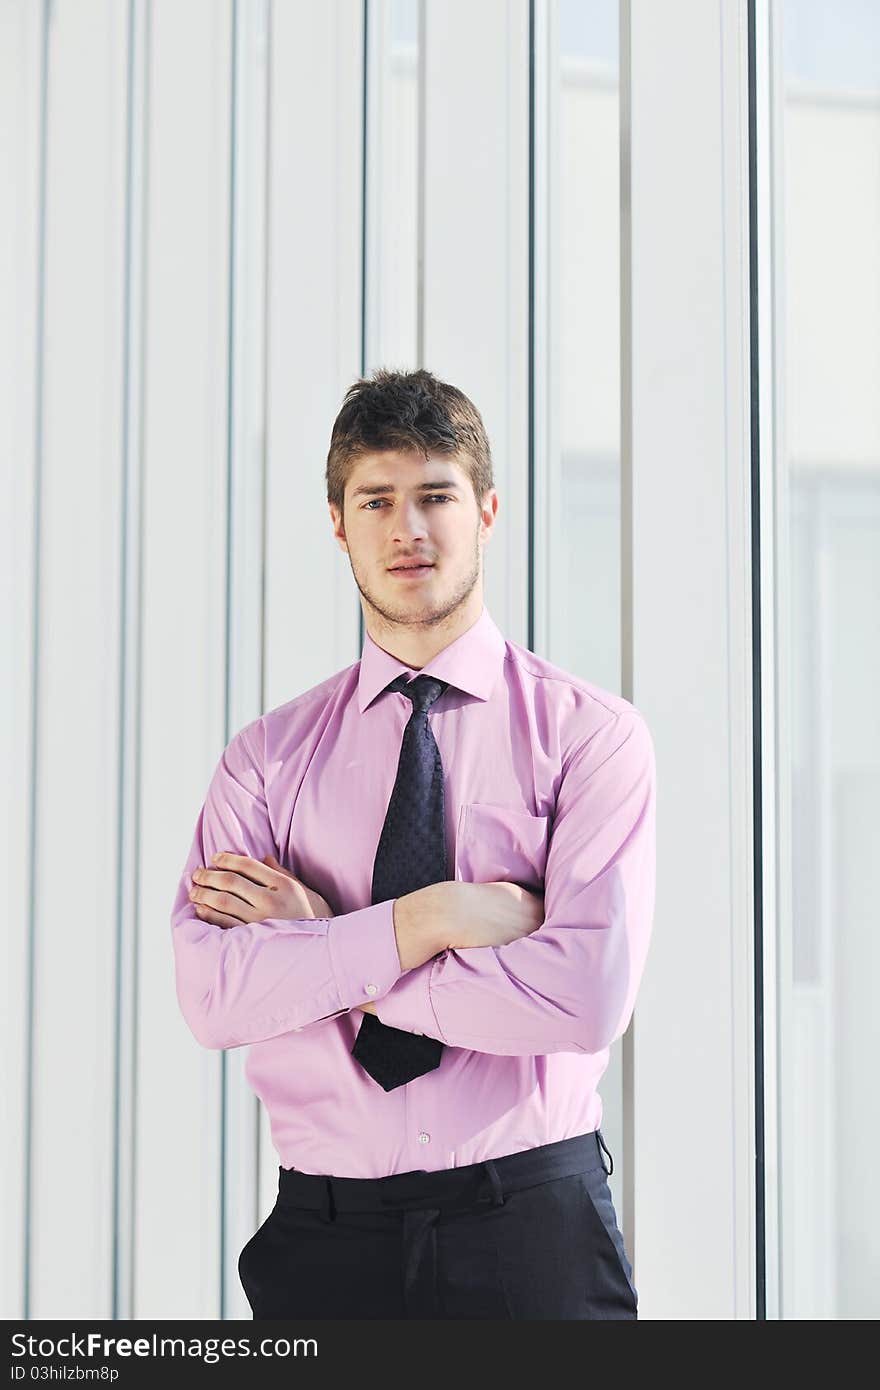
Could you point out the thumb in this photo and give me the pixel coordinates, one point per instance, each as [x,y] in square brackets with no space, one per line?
[274,864]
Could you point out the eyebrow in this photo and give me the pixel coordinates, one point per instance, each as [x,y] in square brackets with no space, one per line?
[366,490]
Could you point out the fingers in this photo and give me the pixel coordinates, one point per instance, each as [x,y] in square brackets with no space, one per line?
[253,869]
[215,890]
[220,919]
[227,890]
[279,868]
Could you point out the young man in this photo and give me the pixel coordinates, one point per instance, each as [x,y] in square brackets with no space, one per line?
[422,894]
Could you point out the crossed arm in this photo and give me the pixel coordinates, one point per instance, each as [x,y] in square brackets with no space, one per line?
[228,894]
[238,889]
[570,985]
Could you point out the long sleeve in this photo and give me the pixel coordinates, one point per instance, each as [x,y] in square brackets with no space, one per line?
[244,984]
[571,985]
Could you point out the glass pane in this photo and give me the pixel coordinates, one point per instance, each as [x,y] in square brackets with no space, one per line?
[584,575]
[827,183]
[393,186]
[583,470]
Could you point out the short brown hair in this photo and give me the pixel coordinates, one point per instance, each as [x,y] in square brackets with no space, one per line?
[407,410]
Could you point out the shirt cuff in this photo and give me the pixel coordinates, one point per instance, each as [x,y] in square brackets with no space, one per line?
[409,1005]
[363,953]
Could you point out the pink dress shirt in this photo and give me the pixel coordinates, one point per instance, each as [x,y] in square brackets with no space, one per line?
[549,782]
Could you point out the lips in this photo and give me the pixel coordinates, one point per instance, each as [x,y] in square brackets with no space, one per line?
[419,565]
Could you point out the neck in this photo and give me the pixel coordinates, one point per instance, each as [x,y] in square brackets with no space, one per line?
[416,644]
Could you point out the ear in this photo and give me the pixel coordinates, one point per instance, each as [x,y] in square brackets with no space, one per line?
[488,513]
[338,526]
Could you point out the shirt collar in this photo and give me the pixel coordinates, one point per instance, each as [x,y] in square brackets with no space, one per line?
[472,662]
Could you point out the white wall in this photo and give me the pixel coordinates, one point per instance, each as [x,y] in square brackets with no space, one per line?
[182,305]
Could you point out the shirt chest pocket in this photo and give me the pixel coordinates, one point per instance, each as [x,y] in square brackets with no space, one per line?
[501,843]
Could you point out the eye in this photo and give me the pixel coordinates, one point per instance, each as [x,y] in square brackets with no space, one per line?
[432,497]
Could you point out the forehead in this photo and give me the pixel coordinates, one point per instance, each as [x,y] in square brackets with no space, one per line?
[396,470]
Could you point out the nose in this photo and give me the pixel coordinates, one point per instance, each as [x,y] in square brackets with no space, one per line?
[409,522]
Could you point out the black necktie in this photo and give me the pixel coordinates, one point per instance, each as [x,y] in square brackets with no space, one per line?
[411,854]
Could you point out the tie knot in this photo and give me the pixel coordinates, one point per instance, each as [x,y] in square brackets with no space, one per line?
[423,691]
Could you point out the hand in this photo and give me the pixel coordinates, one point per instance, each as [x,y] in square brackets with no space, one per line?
[472,914]
[465,915]
[238,889]
[488,914]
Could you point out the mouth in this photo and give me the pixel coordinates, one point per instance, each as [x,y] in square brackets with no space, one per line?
[411,571]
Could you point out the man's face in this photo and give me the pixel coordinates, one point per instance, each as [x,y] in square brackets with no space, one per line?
[401,508]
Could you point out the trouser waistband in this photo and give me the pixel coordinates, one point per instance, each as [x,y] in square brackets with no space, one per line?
[448,1188]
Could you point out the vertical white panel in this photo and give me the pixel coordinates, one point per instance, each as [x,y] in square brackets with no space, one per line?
[76,786]
[314,353]
[687,645]
[128,851]
[247,292]
[476,284]
[21,114]
[314,328]
[184,623]
[576,374]
[392,185]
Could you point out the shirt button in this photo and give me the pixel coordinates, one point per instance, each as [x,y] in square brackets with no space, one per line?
[372,989]
[424,1138]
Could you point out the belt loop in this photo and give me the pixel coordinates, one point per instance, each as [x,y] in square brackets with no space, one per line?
[608,1171]
[328,1206]
[497,1189]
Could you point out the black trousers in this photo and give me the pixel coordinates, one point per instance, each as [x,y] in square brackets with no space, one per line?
[527,1235]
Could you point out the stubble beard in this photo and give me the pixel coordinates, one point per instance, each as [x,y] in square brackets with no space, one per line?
[432,611]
